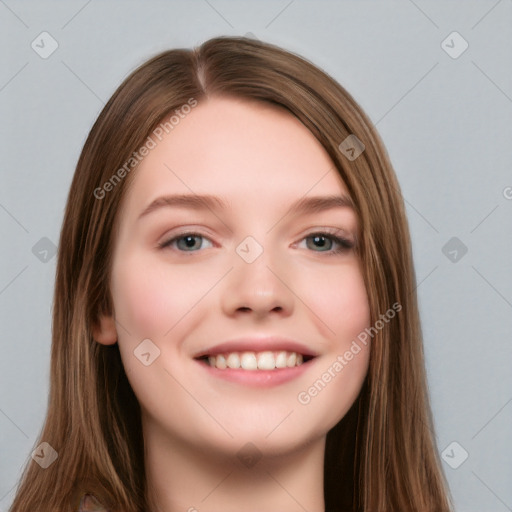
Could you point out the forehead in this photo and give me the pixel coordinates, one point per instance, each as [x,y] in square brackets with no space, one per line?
[243,151]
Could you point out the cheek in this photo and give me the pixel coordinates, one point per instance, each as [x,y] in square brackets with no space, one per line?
[149,302]
[139,303]
[340,301]
[343,310]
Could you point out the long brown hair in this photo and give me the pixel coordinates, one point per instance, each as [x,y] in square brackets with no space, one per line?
[382,455]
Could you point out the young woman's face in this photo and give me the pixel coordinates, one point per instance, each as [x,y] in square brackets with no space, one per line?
[254,272]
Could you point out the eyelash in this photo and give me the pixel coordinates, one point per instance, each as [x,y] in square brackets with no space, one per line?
[344,244]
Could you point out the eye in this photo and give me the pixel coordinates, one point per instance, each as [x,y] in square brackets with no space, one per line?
[324,240]
[319,240]
[190,242]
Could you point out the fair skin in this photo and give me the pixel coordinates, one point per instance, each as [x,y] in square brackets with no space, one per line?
[193,295]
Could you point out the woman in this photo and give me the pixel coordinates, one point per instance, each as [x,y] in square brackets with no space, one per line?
[249,371]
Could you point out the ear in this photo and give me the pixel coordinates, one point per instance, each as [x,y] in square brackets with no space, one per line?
[104,330]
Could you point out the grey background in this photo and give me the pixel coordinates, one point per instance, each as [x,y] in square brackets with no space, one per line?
[445,121]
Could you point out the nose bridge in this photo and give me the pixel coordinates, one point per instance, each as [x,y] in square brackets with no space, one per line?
[257,281]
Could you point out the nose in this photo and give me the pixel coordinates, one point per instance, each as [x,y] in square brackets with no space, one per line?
[258,288]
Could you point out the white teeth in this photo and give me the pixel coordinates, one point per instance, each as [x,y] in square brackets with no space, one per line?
[281,359]
[220,362]
[256,360]
[249,361]
[266,361]
[233,360]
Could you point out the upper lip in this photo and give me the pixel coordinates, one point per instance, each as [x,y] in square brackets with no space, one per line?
[254,344]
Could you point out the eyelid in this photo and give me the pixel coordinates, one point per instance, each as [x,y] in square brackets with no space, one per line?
[342,233]
[341,237]
[185,231]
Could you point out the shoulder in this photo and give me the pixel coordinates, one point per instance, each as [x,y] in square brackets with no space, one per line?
[89,503]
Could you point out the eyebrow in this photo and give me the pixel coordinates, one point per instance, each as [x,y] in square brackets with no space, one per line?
[196,202]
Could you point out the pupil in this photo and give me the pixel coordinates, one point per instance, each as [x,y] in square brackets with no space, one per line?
[189,241]
[317,238]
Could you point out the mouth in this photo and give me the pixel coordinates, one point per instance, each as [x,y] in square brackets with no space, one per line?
[256,361]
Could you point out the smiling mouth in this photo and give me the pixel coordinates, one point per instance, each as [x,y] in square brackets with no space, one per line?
[251,361]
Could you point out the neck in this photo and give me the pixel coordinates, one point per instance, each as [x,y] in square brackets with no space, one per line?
[184,478]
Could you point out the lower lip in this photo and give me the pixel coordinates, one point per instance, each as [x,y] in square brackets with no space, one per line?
[258,378]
